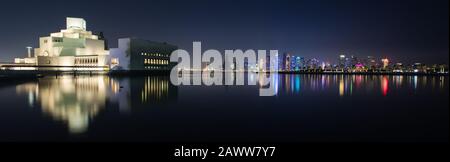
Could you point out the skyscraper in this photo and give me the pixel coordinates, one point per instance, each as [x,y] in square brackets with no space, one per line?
[341,63]
[371,63]
[354,61]
[298,63]
[287,62]
[385,62]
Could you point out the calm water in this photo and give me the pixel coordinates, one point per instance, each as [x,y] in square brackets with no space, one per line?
[308,108]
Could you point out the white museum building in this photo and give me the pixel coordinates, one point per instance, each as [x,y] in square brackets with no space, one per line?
[73,48]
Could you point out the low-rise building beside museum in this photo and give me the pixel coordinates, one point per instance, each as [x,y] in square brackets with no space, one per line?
[139,54]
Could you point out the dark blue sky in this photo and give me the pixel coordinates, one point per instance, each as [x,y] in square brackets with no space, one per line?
[406,31]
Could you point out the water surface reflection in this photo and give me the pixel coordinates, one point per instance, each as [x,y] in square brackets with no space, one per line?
[151,108]
[347,85]
[78,100]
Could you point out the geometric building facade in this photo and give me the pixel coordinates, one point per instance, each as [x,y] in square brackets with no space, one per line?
[71,47]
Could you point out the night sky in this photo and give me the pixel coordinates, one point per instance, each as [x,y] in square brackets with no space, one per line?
[404,31]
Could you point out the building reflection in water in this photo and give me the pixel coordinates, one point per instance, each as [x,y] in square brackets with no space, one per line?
[119,93]
[156,89]
[76,101]
[30,90]
[441,82]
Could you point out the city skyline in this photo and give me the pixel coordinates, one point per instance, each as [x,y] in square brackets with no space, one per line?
[403,31]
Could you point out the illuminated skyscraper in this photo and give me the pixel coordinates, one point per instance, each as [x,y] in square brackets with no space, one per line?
[354,61]
[341,61]
[385,62]
[287,62]
[371,63]
[298,62]
[293,63]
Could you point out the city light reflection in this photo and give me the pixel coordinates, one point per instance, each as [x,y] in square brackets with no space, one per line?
[384,85]
[341,86]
